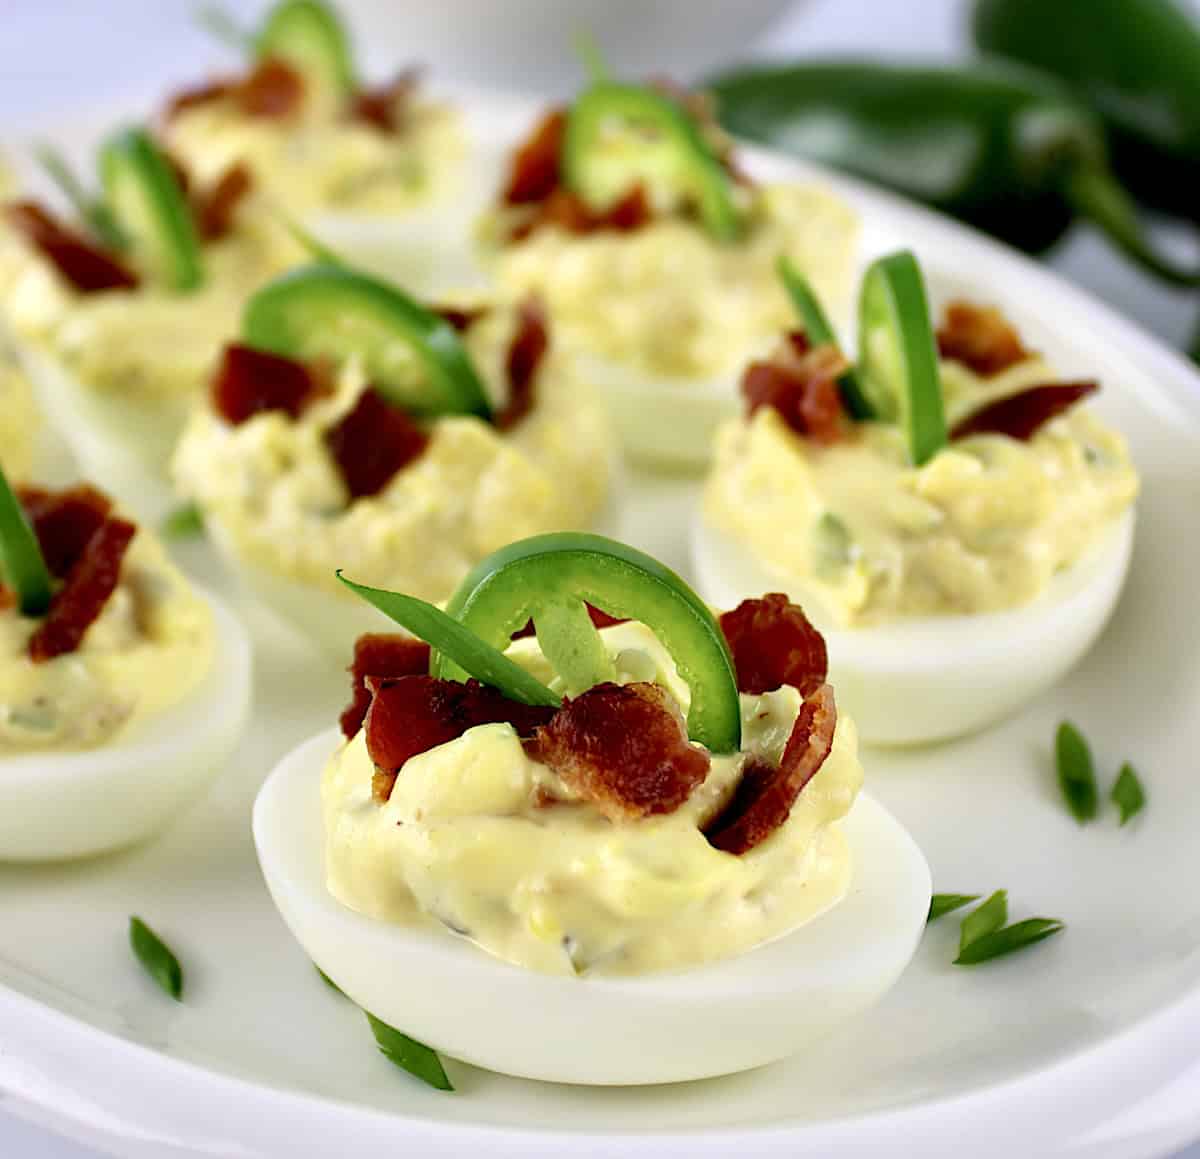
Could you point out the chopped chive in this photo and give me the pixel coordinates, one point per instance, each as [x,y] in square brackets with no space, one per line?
[415,1057]
[219,23]
[183,522]
[458,643]
[985,920]
[156,958]
[1127,793]
[311,244]
[1008,940]
[92,210]
[1076,775]
[329,981]
[587,48]
[945,903]
[21,561]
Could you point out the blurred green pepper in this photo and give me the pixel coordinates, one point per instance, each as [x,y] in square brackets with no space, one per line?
[1136,62]
[1002,147]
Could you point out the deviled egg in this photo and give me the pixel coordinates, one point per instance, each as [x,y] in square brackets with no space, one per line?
[626,213]
[353,426]
[116,318]
[122,688]
[615,845]
[960,529]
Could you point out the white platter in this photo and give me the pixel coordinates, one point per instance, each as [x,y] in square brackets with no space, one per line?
[1021,1057]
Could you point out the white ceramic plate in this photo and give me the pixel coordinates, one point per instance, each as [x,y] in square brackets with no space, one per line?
[1020,1057]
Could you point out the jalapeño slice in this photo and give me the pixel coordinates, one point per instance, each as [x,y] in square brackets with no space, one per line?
[307,36]
[21,562]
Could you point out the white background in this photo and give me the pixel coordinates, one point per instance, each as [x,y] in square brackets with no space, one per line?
[55,54]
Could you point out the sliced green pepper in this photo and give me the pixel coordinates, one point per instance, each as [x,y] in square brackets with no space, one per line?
[151,209]
[21,556]
[307,36]
[678,155]
[820,333]
[412,356]
[550,578]
[897,355]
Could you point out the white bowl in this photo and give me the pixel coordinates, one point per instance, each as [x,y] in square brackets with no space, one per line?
[932,678]
[714,1019]
[56,805]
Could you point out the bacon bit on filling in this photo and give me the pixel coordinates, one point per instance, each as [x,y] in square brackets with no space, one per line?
[215,207]
[568,211]
[85,265]
[249,382]
[386,106]
[202,94]
[414,714]
[773,644]
[624,748]
[800,382]
[372,442]
[78,603]
[380,654]
[980,337]
[271,90]
[1022,415]
[535,165]
[525,354]
[64,522]
[461,318]
[765,795]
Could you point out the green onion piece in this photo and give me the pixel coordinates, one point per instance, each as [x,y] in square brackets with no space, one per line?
[156,958]
[987,919]
[21,561]
[219,23]
[945,903]
[1008,940]
[92,210]
[446,635]
[819,332]
[587,48]
[311,244]
[415,1057]
[329,981]
[1127,793]
[183,522]
[1076,775]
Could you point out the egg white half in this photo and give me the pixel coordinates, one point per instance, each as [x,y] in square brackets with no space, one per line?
[931,678]
[715,1019]
[56,805]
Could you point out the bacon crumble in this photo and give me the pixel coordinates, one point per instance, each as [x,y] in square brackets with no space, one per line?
[624,748]
[1021,415]
[980,337]
[272,90]
[766,793]
[773,643]
[525,354]
[88,267]
[215,208]
[64,522]
[249,382]
[372,442]
[381,655]
[386,106]
[800,382]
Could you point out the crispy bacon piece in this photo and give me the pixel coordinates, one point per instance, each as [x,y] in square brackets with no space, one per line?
[385,106]
[380,654]
[272,90]
[1022,415]
[78,603]
[85,265]
[765,795]
[800,382]
[249,382]
[980,337]
[624,748]
[568,211]
[525,354]
[216,89]
[462,318]
[535,165]
[414,714]
[773,644]
[64,522]
[215,207]
[8,598]
[372,442]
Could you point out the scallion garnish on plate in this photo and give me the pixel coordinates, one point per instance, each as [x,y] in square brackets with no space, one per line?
[1076,773]
[1127,793]
[21,561]
[1008,940]
[156,958]
[944,903]
[414,1057]
[984,920]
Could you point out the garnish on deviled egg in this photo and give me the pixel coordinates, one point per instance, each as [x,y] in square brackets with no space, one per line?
[590,774]
[959,526]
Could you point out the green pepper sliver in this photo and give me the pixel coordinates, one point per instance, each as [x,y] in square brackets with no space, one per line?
[1008,149]
[897,354]
[549,579]
[411,355]
[150,208]
[820,333]
[678,149]
[307,36]
[21,562]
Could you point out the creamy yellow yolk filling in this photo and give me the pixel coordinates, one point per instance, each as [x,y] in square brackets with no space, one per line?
[18,419]
[464,843]
[270,487]
[667,299]
[151,646]
[984,526]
